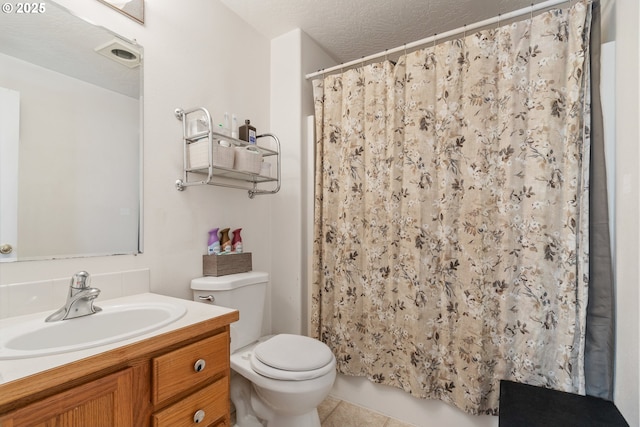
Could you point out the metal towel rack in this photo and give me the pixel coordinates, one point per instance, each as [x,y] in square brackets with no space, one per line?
[212,174]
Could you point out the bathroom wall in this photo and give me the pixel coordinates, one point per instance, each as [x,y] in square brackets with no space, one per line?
[292,55]
[17,299]
[285,221]
[196,53]
[626,14]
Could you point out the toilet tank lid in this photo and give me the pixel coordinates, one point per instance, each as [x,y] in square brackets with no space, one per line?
[230,281]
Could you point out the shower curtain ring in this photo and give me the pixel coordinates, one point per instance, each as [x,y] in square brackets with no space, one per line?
[531,13]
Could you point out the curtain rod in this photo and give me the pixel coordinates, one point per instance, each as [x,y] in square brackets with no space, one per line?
[504,17]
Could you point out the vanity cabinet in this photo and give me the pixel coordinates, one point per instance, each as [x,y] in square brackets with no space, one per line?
[104,402]
[180,378]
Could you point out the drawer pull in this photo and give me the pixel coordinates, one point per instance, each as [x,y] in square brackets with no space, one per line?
[198,417]
[199,365]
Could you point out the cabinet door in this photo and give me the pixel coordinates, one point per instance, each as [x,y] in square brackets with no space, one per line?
[105,402]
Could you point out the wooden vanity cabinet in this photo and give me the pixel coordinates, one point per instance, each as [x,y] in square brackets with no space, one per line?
[103,402]
[177,379]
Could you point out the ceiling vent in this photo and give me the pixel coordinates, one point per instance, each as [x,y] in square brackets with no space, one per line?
[121,52]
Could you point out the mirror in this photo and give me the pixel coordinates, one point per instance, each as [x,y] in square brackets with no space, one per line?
[72,94]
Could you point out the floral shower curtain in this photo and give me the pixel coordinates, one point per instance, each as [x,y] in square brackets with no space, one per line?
[451,214]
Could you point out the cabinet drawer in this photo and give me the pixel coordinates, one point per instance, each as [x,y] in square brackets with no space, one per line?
[176,371]
[213,400]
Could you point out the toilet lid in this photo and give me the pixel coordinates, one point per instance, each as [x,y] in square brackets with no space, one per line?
[294,353]
[280,374]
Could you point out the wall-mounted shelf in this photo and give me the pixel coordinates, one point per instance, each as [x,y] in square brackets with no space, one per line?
[210,173]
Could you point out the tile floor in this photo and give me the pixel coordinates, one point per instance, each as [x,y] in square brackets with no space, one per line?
[338,413]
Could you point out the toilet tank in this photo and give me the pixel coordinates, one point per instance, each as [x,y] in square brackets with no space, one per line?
[245,292]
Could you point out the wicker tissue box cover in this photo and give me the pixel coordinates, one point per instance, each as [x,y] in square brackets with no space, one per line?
[221,265]
[199,155]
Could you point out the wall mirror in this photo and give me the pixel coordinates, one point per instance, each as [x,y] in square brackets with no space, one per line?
[70,138]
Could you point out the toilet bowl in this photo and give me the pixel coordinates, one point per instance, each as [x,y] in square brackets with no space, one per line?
[291,399]
[277,380]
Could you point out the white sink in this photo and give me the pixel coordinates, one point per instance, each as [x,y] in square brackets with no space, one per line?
[118,322]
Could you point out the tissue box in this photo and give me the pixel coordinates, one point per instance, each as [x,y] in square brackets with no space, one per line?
[221,265]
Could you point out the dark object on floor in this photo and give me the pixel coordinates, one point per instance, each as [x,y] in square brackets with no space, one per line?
[524,405]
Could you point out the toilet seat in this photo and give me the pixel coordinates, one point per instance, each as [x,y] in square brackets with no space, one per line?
[292,358]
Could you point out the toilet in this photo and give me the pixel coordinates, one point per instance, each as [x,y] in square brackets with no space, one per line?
[276,380]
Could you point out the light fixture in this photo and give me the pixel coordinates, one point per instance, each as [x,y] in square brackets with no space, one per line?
[119,3]
[119,51]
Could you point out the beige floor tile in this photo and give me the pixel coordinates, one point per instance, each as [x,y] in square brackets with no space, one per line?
[326,407]
[395,423]
[348,415]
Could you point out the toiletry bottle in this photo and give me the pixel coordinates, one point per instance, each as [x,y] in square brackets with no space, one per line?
[226,130]
[247,132]
[236,242]
[226,241]
[234,126]
[213,246]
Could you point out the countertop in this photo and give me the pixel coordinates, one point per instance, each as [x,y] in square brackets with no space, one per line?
[16,369]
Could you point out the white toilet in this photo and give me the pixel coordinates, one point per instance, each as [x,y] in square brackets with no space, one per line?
[277,380]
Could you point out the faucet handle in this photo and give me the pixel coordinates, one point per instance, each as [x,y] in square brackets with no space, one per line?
[80,280]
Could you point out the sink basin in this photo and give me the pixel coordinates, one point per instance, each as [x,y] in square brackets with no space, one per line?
[118,322]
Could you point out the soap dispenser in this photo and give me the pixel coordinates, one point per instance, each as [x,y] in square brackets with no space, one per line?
[236,242]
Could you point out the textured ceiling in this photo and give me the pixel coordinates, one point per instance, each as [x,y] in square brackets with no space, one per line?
[351,29]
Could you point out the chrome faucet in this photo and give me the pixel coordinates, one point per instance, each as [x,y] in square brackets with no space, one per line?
[79,300]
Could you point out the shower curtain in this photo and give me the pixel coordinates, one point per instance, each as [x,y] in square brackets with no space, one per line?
[452,212]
